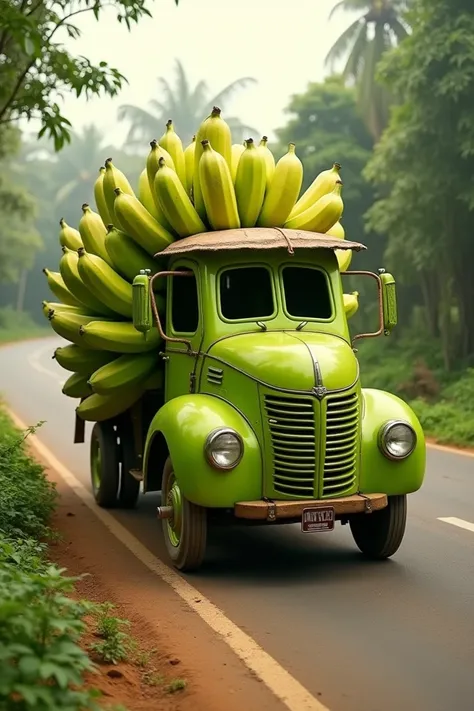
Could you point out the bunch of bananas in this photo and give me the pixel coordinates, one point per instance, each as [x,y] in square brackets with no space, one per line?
[210,185]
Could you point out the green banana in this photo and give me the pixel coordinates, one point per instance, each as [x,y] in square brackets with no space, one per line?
[127,257]
[351,303]
[171,142]
[80,360]
[344,259]
[237,150]
[93,233]
[118,337]
[113,179]
[218,190]
[105,284]
[323,184]
[125,372]
[99,197]
[337,231]
[77,386]
[49,306]
[217,132]
[68,266]
[136,221]
[283,191]
[250,184]
[68,236]
[189,165]
[59,288]
[67,325]
[269,161]
[175,203]
[321,216]
[97,408]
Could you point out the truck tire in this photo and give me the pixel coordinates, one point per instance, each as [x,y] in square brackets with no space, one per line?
[379,534]
[129,487]
[104,464]
[185,533]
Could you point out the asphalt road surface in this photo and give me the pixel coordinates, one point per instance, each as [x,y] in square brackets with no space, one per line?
[361,636]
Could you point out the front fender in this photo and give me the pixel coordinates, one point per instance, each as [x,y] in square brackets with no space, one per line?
[185,422]
[379,474]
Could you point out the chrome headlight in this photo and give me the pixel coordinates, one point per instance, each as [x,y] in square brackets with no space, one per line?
[224,449]
[397,440]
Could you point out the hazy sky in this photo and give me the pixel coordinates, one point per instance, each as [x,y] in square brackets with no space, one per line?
[282,43]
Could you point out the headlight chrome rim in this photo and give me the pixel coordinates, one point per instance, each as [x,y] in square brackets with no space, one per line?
[385,429]
[211,438]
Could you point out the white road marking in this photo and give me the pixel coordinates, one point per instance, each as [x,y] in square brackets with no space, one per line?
[34,362]
[275,677]
[459,522]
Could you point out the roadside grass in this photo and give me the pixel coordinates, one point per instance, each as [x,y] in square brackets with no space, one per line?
[18,326]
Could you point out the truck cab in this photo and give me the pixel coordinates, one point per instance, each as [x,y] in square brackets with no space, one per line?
[264,419]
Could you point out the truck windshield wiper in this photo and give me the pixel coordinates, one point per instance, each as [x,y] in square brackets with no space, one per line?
[301,325]
[261,325]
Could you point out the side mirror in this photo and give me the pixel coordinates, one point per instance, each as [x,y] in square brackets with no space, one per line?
[389,301]
[141,306]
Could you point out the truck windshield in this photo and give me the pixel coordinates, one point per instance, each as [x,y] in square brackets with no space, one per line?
[246,293]
[306,293]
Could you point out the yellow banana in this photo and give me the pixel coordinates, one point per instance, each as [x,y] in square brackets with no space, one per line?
[128,258]
[283,191]
[153,162]
[99,197]
[175,203]
[93,233]
[68,325]
[68,236]
[150,203]
[59,288]
[189,163]
[218,190]
[77,386]
[97,408]
[321,216]
[136,221]
[68,266]
[344,259]
[49,306]
[351,303]
[250,184]
[323,184]
[118,337]
[113,179]
[80,360]
[171,142]
[217,132]
[124,372]
[237,150]
[337,231]
[105,284]
[269,160]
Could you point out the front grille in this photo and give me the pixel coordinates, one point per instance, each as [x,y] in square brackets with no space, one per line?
[342,429]
[292,431]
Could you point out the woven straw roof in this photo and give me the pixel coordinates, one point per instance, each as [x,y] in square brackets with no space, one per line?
[257,238]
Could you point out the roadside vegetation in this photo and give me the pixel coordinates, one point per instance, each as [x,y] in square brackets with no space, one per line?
[18,326]
[44,629]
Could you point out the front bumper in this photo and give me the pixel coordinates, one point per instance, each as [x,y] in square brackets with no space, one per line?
[270,510]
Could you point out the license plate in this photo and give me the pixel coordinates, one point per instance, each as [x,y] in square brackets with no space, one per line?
[318,519]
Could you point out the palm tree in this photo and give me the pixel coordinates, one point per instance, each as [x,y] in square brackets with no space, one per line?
[187,106]
[378,29]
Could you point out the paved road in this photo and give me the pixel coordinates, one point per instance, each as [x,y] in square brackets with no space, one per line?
[362,636]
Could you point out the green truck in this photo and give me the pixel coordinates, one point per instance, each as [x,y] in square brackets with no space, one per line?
[262,418]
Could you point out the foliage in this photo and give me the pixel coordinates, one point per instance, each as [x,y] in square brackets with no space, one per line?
[381,27]
[114,645]
[36,70]
[187,106]
[423,170]
[18,325]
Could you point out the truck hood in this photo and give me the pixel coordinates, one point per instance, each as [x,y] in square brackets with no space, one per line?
[290,360]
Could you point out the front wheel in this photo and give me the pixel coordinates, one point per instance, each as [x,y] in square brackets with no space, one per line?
[185,532]
[380,534]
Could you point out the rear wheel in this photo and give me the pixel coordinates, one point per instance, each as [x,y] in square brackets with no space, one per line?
[185,532]
[104,464]
[380,534]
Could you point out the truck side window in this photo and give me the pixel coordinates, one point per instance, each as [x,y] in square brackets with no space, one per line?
[246,293]
[185,307]
[306,293]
